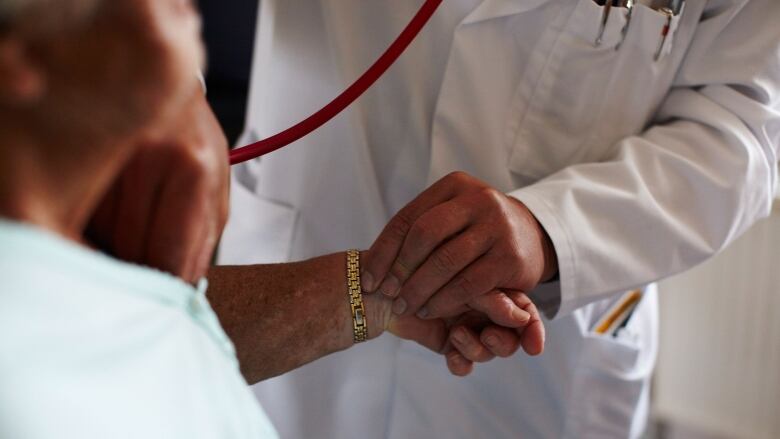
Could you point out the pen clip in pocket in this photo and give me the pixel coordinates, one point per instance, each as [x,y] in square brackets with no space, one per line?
[618,315]
[657,22]
[673,13]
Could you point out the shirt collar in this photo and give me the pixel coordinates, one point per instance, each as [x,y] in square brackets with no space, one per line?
[55,253]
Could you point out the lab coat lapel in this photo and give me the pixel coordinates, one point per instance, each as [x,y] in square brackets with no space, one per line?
[490,9]
[448,151]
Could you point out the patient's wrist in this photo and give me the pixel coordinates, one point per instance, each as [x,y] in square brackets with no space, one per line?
[323,291]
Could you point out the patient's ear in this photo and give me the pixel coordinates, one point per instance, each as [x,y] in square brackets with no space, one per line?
[22,80]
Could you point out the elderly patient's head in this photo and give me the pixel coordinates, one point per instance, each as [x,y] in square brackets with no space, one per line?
[79,81]
[94,67]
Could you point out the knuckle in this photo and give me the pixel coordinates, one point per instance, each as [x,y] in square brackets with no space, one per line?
[482,355]
[197,165]
[457,176]
[507,350]
[475,239]
[465,287]
[505,344]
[458,179]
[400,269]
[458,364]
[422,234]
[531,309]
[444,261]
[399,226]
[519,298]
[472,352]
[514,255]
[492,195]
[501,351]
[503,306]
[495,203]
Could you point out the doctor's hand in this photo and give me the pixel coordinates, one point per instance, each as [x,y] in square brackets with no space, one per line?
[457,246]
[168,207]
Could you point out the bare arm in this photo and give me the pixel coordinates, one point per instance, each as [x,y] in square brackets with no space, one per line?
[283,316]
[167,209]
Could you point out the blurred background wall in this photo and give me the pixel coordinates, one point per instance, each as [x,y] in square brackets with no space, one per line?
[719,363]
[229,31]
[719,366]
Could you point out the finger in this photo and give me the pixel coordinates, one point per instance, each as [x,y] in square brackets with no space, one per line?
[385,249]
[216,217]
[532,336]
[139,193]
[203,256]
[458,364]
[441,268]
[469,345]
[477,279]
[176,239]
[501,309]
[428,233]
[468,318]
[500,341]
[431,334]
[217,202]
[199,245]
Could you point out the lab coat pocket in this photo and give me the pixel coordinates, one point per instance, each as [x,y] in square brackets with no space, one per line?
[591,95]
[611,387]
[258,230]
[564,101]
[612,356]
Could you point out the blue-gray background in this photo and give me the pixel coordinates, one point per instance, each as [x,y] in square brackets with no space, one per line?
[229,30]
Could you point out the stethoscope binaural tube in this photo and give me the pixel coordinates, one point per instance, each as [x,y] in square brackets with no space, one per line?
[346,98]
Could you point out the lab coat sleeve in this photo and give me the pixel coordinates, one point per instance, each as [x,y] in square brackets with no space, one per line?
[699,176]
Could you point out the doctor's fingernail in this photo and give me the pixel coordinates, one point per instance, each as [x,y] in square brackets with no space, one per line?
[423,313]
[390,287]
[367,282]
[491,341]
[399,306]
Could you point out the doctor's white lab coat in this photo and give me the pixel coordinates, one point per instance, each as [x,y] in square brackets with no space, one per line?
[637,167]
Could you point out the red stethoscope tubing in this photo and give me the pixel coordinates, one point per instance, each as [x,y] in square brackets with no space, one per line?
[346,98]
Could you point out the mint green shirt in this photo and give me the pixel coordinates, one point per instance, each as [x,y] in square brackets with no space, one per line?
[91,347]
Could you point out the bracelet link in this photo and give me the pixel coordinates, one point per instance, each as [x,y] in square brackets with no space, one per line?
[359,322]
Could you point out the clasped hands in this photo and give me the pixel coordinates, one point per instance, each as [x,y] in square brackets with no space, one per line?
[449,271]
[457,261]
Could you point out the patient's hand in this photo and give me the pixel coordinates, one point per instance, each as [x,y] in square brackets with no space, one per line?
[169,206]
[471,337]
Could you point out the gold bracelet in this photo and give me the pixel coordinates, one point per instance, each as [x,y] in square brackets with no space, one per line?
[359,324]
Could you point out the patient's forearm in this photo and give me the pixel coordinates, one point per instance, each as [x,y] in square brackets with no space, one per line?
[283,316]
